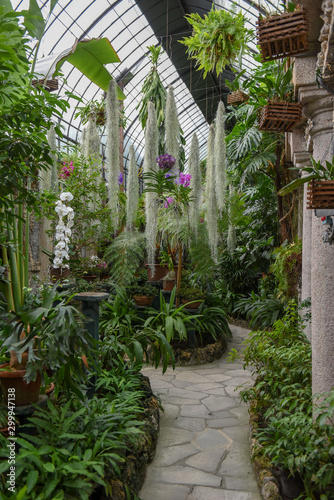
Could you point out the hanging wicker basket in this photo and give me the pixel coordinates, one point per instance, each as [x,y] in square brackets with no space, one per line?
[283,35]
[237,97]
[50,86]
[278,116]
[320,195]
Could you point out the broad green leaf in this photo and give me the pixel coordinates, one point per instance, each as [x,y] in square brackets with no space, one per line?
[31,480]
[90,56]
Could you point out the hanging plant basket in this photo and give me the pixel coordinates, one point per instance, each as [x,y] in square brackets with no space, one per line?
[100,118]
[320,194]
[237,97]
[280,116]
[284,35]
[50,86]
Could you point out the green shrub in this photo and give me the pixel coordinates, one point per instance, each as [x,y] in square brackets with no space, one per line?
[282,398]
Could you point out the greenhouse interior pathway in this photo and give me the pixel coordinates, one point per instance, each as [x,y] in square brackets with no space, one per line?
[203,450]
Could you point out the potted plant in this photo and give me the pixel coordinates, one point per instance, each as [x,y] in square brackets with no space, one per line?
[169,280]
[218,39]
[144,294]
[50,337]
[320,191]
[191,296]
[94,110]
[89,268]
[279,111]
[283,35]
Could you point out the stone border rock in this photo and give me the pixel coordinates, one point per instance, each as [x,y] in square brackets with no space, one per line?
[200,355]
[267,482]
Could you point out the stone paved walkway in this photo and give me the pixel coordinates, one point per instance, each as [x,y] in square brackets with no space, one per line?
[203,447]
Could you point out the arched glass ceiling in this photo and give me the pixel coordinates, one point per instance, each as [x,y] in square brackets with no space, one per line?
[131,26]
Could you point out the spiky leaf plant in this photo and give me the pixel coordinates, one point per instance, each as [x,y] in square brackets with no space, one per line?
[153,90]
[132,190]
[220,156]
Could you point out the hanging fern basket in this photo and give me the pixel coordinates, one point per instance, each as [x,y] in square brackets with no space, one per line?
[280,116]
[237,97]
[50,85]
[284,35]
[320,195]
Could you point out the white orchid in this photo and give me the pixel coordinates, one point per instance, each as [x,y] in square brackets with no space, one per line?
[66,196]
[62,211]
[63,231]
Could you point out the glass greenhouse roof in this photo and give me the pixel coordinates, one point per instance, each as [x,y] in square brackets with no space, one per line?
[131,26]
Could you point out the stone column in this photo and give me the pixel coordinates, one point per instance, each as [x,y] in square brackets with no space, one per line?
[318,107]
[301,160]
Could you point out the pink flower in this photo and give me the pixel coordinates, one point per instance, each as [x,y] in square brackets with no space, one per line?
[184,179]
[168,201]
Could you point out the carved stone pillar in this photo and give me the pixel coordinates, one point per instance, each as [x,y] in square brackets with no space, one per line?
[318,107]
[301,160]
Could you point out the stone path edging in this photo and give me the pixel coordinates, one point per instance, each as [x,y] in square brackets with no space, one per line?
[203,450]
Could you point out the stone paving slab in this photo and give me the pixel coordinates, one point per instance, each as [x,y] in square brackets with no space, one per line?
[203,450]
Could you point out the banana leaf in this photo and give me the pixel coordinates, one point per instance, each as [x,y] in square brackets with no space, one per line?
[89,57]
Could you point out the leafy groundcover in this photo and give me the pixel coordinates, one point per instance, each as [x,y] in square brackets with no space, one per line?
[89,449]
[293,429]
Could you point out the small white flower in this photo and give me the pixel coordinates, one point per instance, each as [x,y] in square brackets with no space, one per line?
[57,261]
[67,231]
[55,266]
[70,215]
[66,196]
[60,245]
[69,224]
[67,239]
[66,266]
[58,253]
[60,226]
[60,236]
[62,211]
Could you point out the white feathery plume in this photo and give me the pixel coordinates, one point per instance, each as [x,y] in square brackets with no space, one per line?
[220,156]
[172,128]
[112,149]
[132,190]
[231,235]
[194,169]
[210,196]
[150,164]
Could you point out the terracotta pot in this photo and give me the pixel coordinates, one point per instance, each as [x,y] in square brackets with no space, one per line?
[59,275]
[191,304]
[143,300]
[25,393]
[168,284]
[160,272]
[104,276]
